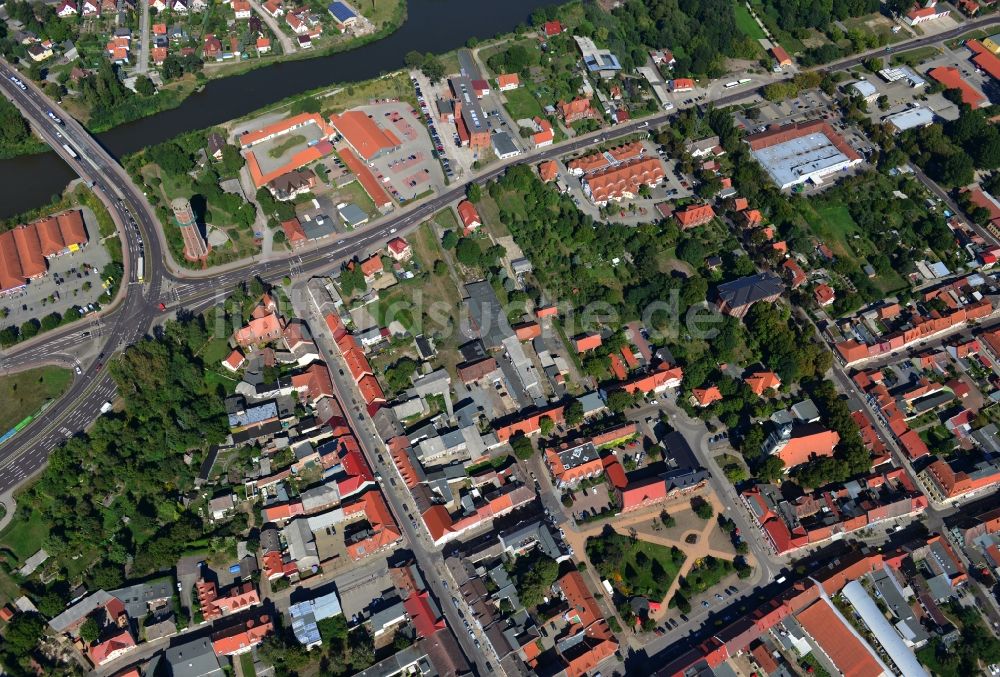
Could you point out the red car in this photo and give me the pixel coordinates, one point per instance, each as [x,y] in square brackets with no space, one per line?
[162,307]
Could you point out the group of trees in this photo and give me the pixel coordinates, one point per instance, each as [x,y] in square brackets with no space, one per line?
[951,152]
[429,64]
[533,574]
[701,33]
[967,656]
[15,134]
[797,16]
[132,463]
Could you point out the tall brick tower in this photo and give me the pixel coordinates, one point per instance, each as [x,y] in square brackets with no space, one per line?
[195,247]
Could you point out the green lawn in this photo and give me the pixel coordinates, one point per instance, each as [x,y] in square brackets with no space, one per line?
[446,219]
[834,225]
[746,23]
[522,105]
[915,57]
[634,567]
[286,145]
[246,663]
[24,392]
[24,538]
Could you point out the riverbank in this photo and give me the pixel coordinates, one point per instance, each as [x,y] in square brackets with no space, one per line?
[436,26]
[174,94]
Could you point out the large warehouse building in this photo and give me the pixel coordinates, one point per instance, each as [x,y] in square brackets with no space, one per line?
[802,152]
[24,250]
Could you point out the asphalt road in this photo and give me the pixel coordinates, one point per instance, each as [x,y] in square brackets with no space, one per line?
[428,556]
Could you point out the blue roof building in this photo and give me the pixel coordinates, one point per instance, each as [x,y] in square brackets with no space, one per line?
[341,12]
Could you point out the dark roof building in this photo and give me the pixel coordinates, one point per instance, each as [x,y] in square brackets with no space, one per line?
[736,297]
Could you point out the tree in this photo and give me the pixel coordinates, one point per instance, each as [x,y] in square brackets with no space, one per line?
[771,470]
[413,59]
[546,426]
[449,239]
[433,68]
[51,321]
[398,375]
[667,519]
[735,473]
[702,508]
[474,192]
[534,574]
[468,252]
[232,161]
[89,631]
[522,447]
[352,279]
[144,86]
[574,413]
[170,157]
[29,328]
[620,400]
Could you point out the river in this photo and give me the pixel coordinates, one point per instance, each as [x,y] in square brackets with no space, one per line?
[431,26]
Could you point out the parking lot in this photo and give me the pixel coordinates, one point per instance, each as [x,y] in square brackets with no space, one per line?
[73,280]
[412,169]
[455,160]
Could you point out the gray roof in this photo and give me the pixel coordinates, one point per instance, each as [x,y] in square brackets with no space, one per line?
[321,226]
[487,314]
[80,610]
[536,532]
[504,145]
[193,659]
[352,214]
[750,289]
[900,654]
[136,598]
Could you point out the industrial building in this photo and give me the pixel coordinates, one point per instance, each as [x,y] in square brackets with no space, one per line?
[802,152]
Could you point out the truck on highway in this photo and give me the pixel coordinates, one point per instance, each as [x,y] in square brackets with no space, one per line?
[55,118]
[69,149]
[139,269]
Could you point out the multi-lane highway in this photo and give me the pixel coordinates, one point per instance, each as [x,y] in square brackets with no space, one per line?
[137,310]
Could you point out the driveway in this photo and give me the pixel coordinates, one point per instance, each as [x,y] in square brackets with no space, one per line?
[288,45]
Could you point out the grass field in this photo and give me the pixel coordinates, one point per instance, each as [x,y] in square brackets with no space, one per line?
[246,663]
[23,393]
[645,568]
[286,145]
[522,105]
[746,23]
[834,225]
[916,56]
[25,537]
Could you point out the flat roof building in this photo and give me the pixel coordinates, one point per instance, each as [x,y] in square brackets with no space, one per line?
[910,118]
[802,152]
[473,129]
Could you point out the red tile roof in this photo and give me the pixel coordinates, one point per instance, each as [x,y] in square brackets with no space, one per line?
[781,56]
[706,396]
[762,381]
[586,342]
[363,134]
[848,653]
[625,179]
[367,180]
[425,621]
[951,78]
[24,249]
[694,215]
[469,215]
[984,58]
[548,170]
